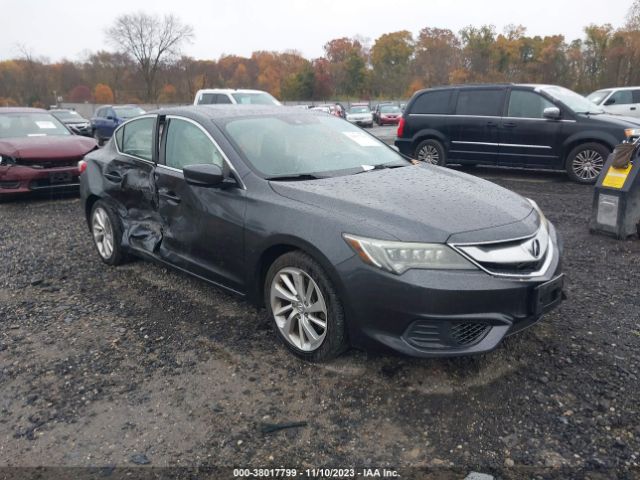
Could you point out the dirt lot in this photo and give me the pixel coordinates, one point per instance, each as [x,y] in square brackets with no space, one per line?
[118,366]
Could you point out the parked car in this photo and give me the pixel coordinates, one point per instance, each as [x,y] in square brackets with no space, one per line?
[325,226]
[334,109]
[530,126]
[74,121]
[37,152]
[360,114]
[215,96]
[387,114]
[108,117]
[621,101]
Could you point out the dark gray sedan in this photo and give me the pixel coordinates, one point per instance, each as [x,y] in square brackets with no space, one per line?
[342,239]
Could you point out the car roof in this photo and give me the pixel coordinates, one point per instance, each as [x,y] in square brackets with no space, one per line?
[229,90]
[22,110]
[614,89]
[226,111]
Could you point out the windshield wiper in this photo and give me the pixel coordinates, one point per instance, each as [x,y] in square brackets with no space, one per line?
[299,176]
[382,166]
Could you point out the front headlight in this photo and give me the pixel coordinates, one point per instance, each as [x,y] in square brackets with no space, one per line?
[632,132]
[5,161]
[543,219]
[398,257]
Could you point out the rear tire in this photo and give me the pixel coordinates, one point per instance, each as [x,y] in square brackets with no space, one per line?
[431,151]
[304,307]
[585,162]
[106,231]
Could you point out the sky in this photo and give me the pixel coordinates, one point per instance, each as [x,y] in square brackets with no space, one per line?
[70,29]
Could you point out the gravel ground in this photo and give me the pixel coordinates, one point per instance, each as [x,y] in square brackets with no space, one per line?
[122,366]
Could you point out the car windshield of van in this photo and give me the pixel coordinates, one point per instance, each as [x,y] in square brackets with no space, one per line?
[308,145]
[17,125]
[128,112]
[359,109]
[575,102]
[599,96]
[258,98]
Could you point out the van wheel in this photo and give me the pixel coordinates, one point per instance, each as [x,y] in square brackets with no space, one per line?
[431,151]
[585,162]
[304,307]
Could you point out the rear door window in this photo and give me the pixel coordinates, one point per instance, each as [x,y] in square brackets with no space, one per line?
[480,102]
[621,97]
[137,138]
[223,98]
[436,102]
[526,104]
[636,96]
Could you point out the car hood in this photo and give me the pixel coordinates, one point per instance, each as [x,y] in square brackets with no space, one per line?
[621,120]
[71,146]
[419,204]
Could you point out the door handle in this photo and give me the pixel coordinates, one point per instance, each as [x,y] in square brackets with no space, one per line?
[113,176]
[492,124]
[169,195]
[509,125]
[633,108]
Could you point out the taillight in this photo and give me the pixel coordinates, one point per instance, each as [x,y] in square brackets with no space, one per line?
[400,127]
[82,166]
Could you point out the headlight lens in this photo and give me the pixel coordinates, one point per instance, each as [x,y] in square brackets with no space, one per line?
[6,160]
[543,219]
[632,132]
[398,257]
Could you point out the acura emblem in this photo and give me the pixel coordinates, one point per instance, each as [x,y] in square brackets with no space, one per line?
[534,248]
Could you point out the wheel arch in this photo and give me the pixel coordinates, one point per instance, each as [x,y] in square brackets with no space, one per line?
[429,134]
[609,142]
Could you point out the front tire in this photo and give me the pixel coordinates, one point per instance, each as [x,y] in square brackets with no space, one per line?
[107,234]
[431,151]
[585,162]
[305,309]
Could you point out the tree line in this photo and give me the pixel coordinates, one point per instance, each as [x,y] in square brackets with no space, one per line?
[146,64]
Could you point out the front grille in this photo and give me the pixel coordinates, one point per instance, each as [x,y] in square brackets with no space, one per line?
[442,334]
[468,333]
[45,164]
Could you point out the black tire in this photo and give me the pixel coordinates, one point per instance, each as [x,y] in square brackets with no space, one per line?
[117,256]
[335,339]
[431,151]
[579,156]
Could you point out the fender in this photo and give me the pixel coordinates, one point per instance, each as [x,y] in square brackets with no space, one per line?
[425,133]
[585,136]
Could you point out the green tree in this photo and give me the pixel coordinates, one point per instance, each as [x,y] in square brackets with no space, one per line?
[391,58]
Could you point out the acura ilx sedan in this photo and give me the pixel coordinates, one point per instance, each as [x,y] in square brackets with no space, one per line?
[344,241]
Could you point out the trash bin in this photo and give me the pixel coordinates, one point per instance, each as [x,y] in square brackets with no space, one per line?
[616,199]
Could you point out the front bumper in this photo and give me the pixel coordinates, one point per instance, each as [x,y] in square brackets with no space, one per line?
[362,122]
[21,179]
[389,121]
[439,313]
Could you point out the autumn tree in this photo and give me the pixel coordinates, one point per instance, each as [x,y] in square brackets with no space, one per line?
[347,59]
[437,54]
[478,43]
[102,94]
[391,59]
[151,40]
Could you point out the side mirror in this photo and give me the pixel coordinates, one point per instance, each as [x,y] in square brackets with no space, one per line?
[610,101]
[552,113]
[203,175]
[109,117]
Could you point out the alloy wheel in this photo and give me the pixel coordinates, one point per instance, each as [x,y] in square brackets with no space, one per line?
[299,309]
[102,232]
[587,164]
[429,154]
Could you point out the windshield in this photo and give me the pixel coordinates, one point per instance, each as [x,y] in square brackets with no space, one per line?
[128,112]
[299,144]
[254,99]
[359,110]
[16,125]
[599,96]
[390,109]
[68,115]
[576,103]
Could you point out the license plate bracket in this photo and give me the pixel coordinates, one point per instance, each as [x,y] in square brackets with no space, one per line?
[547,295]
[60,177]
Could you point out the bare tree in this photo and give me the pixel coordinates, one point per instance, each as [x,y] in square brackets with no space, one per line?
[151,40]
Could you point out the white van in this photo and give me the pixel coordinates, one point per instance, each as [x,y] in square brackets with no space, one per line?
[215,96]
[622,101]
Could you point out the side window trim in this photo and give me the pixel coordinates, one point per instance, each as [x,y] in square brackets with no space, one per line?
[211,139]
[121,127]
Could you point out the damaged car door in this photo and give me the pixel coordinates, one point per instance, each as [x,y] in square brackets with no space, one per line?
[202,222]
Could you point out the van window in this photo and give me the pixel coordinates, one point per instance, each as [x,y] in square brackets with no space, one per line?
[621,97]
[526,104]
[482,102]
[435,102]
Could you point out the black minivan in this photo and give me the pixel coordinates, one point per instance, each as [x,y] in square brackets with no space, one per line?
[512,125]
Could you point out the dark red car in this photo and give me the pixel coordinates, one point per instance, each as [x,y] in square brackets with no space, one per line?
[37,152]
[388,114]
